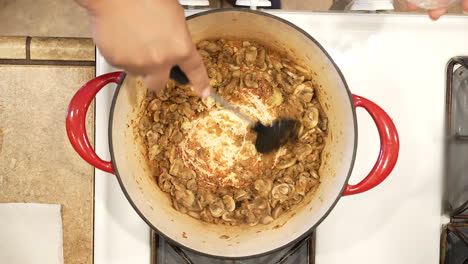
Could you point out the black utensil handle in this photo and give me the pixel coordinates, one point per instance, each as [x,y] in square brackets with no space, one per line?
[178,75]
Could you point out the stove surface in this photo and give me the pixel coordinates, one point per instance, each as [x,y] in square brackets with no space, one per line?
[398,61]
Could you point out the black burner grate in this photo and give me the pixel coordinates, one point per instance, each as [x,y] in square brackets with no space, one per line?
[454,240]
[163,252]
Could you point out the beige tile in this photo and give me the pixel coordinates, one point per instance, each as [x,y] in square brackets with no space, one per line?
[309,5]
[62,49]
[57,18]
[37,161]
[12,47]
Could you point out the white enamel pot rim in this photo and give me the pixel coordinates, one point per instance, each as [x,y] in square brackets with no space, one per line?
[297,224]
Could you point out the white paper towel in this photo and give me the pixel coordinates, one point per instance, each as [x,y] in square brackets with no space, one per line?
[30,233]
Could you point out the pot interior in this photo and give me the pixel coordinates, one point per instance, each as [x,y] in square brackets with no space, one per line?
[240,241]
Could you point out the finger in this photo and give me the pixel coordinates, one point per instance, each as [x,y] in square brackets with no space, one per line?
[412,7]
[465,5]
[157,80]
[437,13]
[196,72]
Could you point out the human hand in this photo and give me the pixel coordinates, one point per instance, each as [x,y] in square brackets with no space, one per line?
[147,38]
[435,14]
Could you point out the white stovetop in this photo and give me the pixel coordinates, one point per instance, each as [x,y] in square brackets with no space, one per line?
[398,61]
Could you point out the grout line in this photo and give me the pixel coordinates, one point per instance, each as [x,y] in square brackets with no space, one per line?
[45,62]
[28,47]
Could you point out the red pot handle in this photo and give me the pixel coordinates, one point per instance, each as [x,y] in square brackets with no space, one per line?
[76,119]
[389,147]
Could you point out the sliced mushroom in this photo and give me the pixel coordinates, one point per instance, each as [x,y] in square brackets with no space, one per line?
[302,151]
[267,77]
[280,191]
[250,55]
[263,186]
[204,53]
[232,85]
[228,216]
[192,185]
[314,174]
[277,65]
[295,105]
[260,61]
[297,198]
[288,175]
[202,44]
[324,124]
[163,95]
[154,150]
[154,105]
[239,57]
[229,203]
[250,218]
[176,167]
[212,72]
[144,124]
[259,203]
[164,181]
[178,186]
[241,195]
[228,51]
[170,84]
[187,173]
[303,183]
[186,198]
[267,220]
[209,46]
[286,162]
[301,69]
[250,80]
[311,118]
[217,208]
[283,83]
[151,138]
[194,214]
[206,216]
[175,204]
[277,212]
[304,91]
[209,198]
[289,68]
[233,67]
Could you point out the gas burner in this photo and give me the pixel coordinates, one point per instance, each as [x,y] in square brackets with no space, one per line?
[164,252]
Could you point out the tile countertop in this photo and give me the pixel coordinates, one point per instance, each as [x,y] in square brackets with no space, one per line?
[38,77]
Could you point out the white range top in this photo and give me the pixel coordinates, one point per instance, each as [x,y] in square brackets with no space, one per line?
[397,61]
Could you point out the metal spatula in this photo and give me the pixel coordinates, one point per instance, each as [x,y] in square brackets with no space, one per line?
[269,138]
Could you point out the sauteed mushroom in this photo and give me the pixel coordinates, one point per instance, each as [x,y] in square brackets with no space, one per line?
[256,189]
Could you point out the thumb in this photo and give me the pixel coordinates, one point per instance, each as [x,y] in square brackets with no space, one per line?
[196,72]
[465,5]
[437,13]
